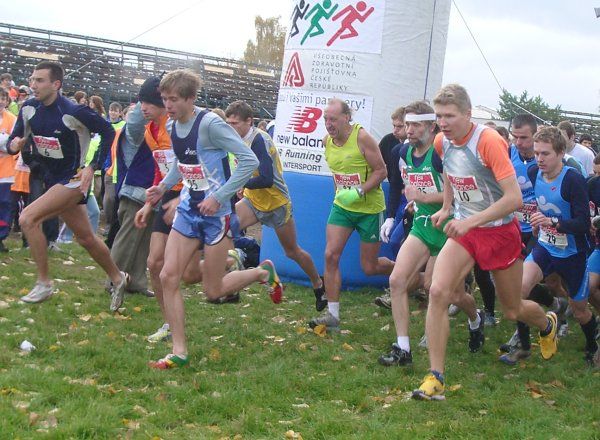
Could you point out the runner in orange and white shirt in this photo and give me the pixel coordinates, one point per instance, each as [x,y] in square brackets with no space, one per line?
[480,180]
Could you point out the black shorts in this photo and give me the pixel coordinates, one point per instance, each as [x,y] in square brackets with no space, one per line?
[159,224]
[529,241]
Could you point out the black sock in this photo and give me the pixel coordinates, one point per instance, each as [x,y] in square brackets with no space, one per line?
[523,331]
[589,330]
[547,330]
[541,295]
[487,289]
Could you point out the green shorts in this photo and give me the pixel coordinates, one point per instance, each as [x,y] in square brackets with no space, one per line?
[431,236]
[367,225]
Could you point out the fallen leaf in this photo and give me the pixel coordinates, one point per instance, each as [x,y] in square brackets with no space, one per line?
[415,312]
[214,355]
[68,263]
[302,347]
[279,340]
[50,422]
[347,347]
[90,267]
[104,315]
[85,318]
[345,332]
[536,395]
[301,405]
[216,338]
[33,418]
[320,330]
[137,309]
[84,342]
[278,319]
[483,412]
[455,387]
[336,358]
[550,402]
[367,348]
[301,330]
[556,384]
[4,305]
[385,328]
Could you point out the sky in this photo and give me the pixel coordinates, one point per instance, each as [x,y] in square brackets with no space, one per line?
[547,47]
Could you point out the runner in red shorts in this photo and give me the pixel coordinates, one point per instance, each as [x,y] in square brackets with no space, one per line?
[480,180]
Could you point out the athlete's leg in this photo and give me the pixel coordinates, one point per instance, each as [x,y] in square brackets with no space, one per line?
[76,218]
[336,239]
[451,267]
[371,263]
[245,214]
[178,251]
[289,242]
[156,259]
[216,283]
[411,257]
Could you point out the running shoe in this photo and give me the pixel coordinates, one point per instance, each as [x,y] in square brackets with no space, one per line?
[512,343]
[117,293]
[320,297]
[160,335]
[326,319]
[274,283]
[430,389]
[549,343]
[476,337]
[40,292]
[453,310]
[396,356]
[170,361]
[490,320]
[514,356]
[227,299]
[237,261]
[384,301]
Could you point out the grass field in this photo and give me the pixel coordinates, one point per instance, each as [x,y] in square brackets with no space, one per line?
[257,373]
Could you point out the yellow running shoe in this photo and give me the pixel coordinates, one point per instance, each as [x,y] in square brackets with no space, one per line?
[430,389]
[549,343]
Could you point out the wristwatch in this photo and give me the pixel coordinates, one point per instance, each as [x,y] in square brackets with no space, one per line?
[554,221]
[360,191]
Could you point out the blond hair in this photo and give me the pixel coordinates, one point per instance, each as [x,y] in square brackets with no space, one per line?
[453,94]
[184,82]
[553,136]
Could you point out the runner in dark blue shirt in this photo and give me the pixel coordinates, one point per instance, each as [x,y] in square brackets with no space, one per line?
[60,131]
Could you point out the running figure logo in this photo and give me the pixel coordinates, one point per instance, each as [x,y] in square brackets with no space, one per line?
[299,12]
[320,12]
[353,14]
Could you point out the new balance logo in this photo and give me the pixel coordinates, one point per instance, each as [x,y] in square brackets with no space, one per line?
[305,119]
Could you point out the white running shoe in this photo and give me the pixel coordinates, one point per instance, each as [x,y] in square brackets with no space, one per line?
[39,293]
[162,334]
[117,293]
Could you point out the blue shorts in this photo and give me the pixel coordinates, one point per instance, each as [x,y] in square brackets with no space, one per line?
[209,230]
[593,264]
[571,269]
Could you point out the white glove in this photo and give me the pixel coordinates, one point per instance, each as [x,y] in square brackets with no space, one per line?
[386,229]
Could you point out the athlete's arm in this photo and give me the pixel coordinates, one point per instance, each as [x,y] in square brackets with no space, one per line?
[15,141]
[396,182]
[572,189]
[96,124]
[225,138]
[265,167]
[136,125]
[440,216]
[169,181]
[370,150]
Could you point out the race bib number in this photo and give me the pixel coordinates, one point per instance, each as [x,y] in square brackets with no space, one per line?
[525,212]
[551,236]
[20,165]
[465,188]
[193,176]
[423,182]
[346,181]
[164,159]
[592,209]
[48,147]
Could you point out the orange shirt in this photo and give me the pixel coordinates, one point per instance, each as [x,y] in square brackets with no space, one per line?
[7,162]
[491,147]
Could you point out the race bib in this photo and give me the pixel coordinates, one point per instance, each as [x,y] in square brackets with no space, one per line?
[48,147]
[525,212]
[423,182]
[465,188]
[551,236]
[164,159]
[20,165]
[193,176]
[346,181]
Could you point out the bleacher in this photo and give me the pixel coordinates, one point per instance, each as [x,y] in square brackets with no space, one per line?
[588,123]
[114,70]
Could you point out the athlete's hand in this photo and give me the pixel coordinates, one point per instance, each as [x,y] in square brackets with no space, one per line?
[440,217]
[457,228]
[538,219]
[413,193]
[209,206]
[170,208]
[85,176]
[154,194]
[141,217]
[386,229]
[17,144]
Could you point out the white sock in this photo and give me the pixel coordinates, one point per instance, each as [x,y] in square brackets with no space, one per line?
[165,326]
[473,325]
[403,343]
[334,309]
